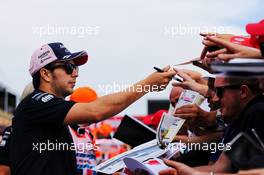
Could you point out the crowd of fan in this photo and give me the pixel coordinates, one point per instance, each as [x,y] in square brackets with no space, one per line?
[236,102]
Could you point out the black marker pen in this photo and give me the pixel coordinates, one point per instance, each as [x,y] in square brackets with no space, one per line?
[160,70]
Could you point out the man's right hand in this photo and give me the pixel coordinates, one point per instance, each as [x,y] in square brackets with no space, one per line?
[159,80]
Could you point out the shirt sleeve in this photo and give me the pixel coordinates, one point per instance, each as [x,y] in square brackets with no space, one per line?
[4,147]
[47,109]
[255,121]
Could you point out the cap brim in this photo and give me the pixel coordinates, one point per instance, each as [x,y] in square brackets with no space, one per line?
[255,28]
[79,58]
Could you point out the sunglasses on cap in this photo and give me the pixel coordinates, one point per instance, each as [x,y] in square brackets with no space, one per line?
[67,67]
[219,91]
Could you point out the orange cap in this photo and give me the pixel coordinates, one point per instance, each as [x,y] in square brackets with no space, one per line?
[83,94]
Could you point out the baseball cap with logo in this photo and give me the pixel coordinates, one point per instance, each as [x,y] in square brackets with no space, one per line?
[54,52]
[256,30]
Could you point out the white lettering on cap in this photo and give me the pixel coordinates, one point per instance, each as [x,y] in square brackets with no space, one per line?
[66,56]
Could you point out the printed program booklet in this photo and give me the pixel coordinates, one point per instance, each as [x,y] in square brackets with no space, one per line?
[158,148]
[170,125]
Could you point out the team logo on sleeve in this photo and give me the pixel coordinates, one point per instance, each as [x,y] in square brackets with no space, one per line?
[5,138]
[47,98]
[44,97]
[2,143]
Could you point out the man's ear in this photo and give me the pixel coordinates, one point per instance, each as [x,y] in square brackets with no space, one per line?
[244,92]
[45,74]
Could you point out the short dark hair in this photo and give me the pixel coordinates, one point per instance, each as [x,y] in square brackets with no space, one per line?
[36,80]
[36,76]
[252,83]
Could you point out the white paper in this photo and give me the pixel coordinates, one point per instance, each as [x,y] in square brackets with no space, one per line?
[142,152]
[168,128]
[189,97]
[169,124]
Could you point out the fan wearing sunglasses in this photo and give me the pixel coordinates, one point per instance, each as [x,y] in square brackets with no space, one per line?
[242,106]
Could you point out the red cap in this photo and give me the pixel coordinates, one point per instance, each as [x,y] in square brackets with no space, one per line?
[255,28]
[154,119]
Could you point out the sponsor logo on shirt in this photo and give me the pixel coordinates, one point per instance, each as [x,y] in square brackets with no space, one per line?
[4,138]
[44,97]
[47,98]
[3,142]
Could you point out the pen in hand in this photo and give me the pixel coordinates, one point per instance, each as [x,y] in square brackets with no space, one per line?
[160,70]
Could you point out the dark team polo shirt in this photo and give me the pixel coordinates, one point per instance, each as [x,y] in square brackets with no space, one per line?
[40,138]
[251,117]
[4,147]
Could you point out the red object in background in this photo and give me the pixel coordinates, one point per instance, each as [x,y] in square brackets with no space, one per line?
[245,41]
[83,95]
[147,119]
[154,119]
[256,29]
[157,117]
[153,162]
